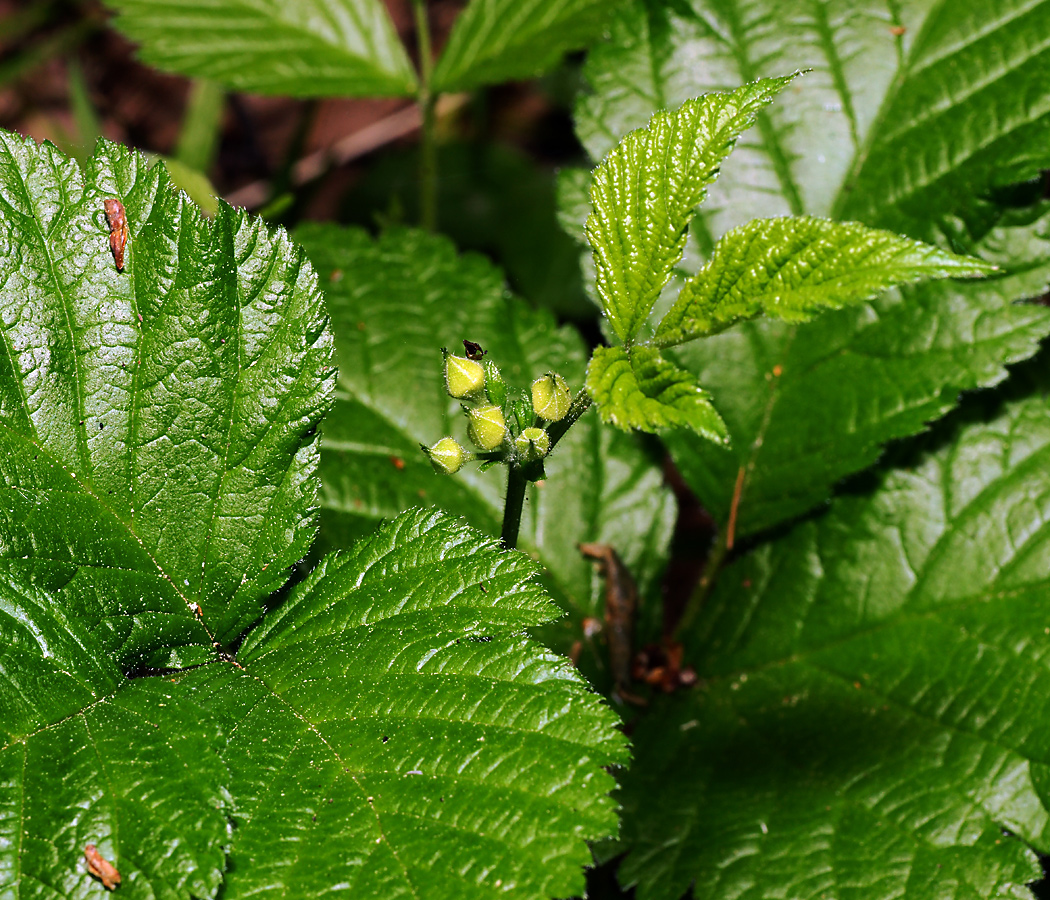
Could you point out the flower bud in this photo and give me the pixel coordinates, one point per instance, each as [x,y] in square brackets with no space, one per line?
[551,397]
[532,444]
[486,427]
[446,456]
[495,386]
[464,378]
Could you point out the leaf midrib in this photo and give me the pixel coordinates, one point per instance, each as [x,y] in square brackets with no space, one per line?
[841,196]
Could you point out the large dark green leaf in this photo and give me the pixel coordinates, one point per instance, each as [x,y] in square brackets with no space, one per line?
[870,716]
[157,457]
[500,40]
[397,735]
[305,48]
[87,757]
[394,303]
[910,116]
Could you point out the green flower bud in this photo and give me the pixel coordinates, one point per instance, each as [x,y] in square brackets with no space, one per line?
[532,444]
[495,386]
[486,427]
[446,456]
[464,378]
[551,397]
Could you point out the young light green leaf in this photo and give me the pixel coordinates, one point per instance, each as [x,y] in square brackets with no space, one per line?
[848,381]
[395,718]
[643,390]
[157,448]
[88,757]
[302,48]
[646,190]
[873,690]
[790,268]
[501,40]
[394,303]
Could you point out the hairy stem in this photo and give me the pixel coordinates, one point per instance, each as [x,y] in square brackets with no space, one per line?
[512,506]
[427,101]
[517,477]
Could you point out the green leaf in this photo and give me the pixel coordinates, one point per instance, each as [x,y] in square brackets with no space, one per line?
[394,303]
[808,404]
[87,757]
[302,48]
[574,201]
[870,716]
[493,199]
[503,40]
[645,191]
[791,268]
[643,390]
[157,446]
[393,717]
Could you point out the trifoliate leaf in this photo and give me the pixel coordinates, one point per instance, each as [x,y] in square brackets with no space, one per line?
[643,390]
[303,48]
[395,302]
[646,190]
[790,268]
[869,720]
[394,719]
[807,405]
[157,449]
[501,40]
[88,757]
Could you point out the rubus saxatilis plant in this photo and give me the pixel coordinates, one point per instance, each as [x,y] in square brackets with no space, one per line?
[868,719]
[643,196]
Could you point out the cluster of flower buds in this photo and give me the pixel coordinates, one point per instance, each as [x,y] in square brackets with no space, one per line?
[503,427]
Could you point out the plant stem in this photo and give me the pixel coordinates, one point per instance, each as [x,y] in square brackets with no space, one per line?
[517,481]
[580,404]
[427,101]
[516,484]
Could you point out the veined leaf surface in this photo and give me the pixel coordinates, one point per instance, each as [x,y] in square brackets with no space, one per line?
[645,192]
[157,457]
[869,718]
[89,757]
[302,48]
[500,40]
[395,302]
[395,720]
[644,391]
[883,129]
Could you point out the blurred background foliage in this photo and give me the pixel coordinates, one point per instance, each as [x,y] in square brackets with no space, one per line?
[67,77]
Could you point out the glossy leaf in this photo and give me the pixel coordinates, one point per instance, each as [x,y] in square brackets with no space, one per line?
[834,390]
[645,191]
[302,48]
[790,268]
[394,303]
[502,40]
[574,201]
[644,391]
[398,735]
[869,718]
[87,757]
[807,405]
[157,449]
